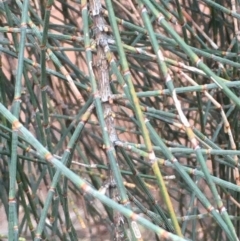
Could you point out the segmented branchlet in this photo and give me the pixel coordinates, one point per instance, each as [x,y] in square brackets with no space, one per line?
[101,71]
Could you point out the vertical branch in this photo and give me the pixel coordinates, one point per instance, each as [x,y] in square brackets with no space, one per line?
[102,72]
[43,73]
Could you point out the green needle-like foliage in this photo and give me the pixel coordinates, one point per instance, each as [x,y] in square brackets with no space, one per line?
[119,120]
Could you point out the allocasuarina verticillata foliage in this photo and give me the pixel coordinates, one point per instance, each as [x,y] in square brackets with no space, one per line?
[119,120]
